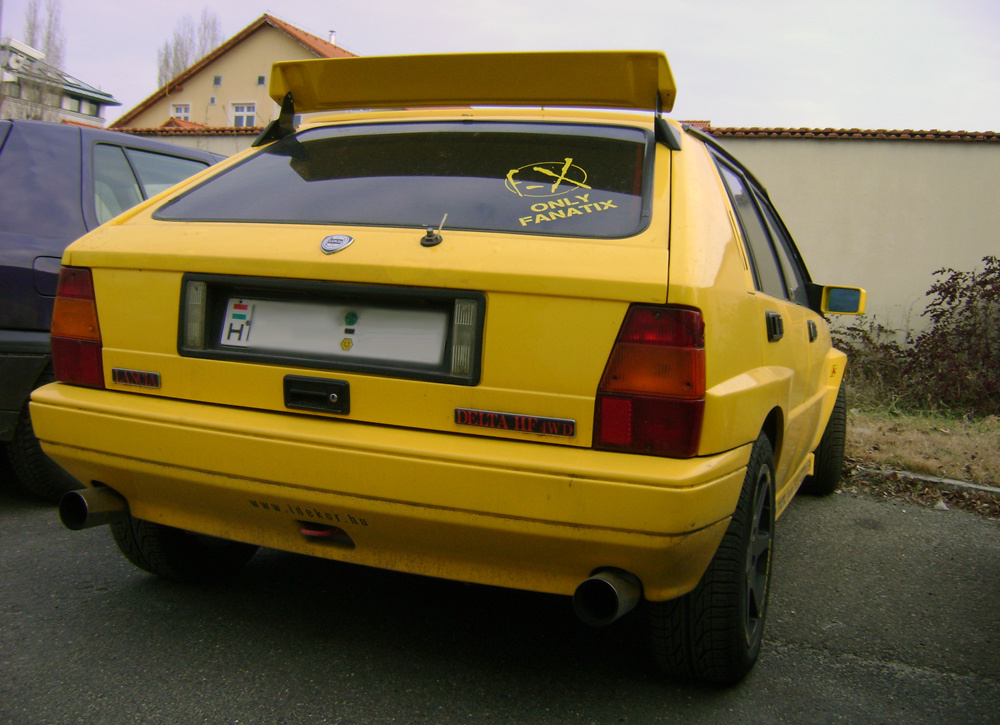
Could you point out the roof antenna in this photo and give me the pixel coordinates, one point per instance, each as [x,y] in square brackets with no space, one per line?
[432,238]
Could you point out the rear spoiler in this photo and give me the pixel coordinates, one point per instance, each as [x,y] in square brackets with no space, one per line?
[630,80]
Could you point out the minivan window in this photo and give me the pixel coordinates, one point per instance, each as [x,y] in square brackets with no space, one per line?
[158,172]
[115,186]
[554,179]
[120,183]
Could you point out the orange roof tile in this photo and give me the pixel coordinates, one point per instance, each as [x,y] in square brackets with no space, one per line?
[68,122]
[320,47]
[181,123]
[854,134]
[198,130]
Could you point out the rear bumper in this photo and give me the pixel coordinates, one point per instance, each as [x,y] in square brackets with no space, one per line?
[507,513]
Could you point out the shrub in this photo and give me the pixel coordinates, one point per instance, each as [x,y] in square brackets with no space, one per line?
[952,366]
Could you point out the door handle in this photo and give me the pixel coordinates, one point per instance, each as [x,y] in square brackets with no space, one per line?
[775,326]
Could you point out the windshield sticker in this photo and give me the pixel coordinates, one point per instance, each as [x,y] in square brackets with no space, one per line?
[546,178]
[550,211]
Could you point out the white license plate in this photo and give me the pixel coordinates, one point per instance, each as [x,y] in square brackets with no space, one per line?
[336,331]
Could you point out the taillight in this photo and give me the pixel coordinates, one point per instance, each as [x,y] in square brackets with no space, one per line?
[76,336]
[652,396]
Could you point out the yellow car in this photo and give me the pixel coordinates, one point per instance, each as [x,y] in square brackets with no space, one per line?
[505,324]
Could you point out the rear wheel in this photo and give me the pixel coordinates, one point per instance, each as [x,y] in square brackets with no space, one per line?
[715,632]
[829,464]
[177,554]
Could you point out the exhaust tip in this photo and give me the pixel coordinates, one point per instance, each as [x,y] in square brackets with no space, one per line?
[606,596]
[87,508]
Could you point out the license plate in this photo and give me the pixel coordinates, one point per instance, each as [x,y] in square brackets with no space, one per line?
[336,331]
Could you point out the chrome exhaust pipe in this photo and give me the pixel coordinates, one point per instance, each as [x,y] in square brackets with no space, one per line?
[606,596]
[90,507]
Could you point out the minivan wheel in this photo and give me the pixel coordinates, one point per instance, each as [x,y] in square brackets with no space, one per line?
[177,554]
[35,473]
[829,465]
[715,632]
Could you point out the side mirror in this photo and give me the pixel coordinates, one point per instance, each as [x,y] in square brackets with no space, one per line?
[843,300]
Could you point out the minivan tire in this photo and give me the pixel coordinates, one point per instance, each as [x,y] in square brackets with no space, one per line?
[35,473]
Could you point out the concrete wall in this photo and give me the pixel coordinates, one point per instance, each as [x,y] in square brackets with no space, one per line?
[882,214]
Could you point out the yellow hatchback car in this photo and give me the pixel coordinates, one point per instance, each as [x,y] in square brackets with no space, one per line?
[493,318]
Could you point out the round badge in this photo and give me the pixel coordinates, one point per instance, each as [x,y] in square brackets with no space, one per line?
[335,243]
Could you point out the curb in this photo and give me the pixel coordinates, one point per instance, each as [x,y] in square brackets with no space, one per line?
[946,482]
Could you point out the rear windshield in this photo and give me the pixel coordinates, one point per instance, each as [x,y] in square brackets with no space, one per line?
[565,180]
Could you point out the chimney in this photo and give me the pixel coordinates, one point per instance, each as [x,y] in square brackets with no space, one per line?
[333,37]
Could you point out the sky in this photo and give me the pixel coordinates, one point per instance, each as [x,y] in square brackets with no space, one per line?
[871,64]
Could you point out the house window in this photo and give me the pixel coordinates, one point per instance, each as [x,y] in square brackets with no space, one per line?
[261,80]
[211,101]
[181,111]
[71,104]
[216,80]
[243,114]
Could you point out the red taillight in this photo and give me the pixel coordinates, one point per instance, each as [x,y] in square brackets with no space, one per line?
[652,395]
[76,336]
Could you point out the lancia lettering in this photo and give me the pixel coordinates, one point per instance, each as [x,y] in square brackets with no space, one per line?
[137,378]
[516,422]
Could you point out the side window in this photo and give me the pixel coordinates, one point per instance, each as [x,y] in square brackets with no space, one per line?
[765,265]
[795,275]
[159,171]
[115,186]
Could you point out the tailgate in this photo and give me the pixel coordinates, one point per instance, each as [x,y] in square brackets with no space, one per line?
[501,335]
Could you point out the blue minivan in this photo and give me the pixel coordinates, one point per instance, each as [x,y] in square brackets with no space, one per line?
[57,182]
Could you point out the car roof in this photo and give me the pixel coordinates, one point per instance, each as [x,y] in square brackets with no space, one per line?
[90,134]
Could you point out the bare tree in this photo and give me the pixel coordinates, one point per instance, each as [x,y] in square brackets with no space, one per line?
[189,44]
[44,30]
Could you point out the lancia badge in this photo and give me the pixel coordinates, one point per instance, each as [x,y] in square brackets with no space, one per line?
[335,243]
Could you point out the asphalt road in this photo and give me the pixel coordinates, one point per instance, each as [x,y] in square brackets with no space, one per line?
[881,613]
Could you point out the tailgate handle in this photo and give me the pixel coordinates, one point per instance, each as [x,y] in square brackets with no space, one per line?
[322,394]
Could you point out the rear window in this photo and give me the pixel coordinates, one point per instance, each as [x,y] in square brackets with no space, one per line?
[558,179]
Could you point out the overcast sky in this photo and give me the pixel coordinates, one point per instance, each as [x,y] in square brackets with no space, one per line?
[896,64]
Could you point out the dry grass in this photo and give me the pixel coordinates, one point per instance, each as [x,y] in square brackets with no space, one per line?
[933,445]
[880,444]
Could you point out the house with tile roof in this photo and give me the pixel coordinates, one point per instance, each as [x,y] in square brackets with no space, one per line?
[228,88]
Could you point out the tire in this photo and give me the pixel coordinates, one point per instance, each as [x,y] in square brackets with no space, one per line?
[179,555]
[35,473]
[715,632]
[829,465]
